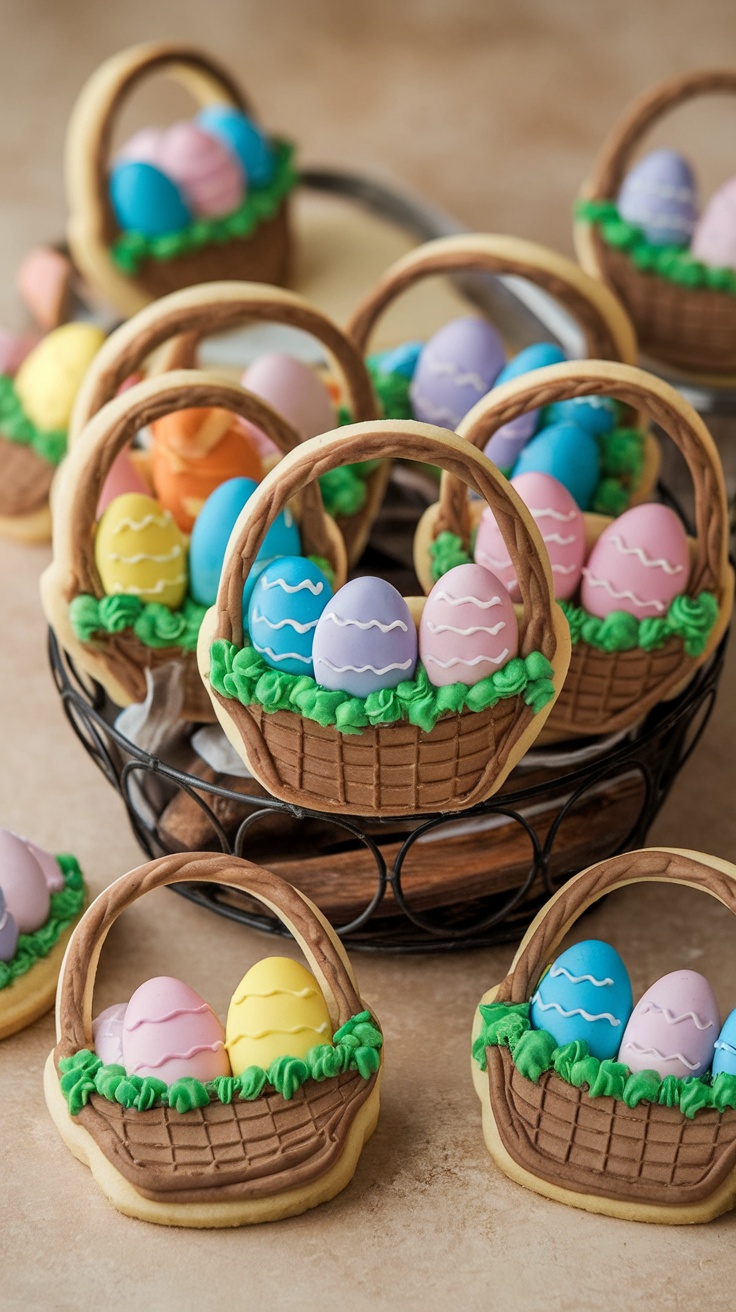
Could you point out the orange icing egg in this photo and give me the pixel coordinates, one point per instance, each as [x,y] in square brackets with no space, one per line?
[193,452]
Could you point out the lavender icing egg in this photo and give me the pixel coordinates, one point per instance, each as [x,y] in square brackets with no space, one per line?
[458,365]
[8,932]
[658,196]
[365,640]
[468,628]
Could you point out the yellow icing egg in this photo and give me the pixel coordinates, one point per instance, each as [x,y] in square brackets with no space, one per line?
[50,377]
[141,552]
[277,1010]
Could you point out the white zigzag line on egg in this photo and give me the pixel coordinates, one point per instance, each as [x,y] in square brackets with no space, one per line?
[132,591]
[663,1056]
[502,563]
[448,369]
[437,413]
[562,569]
[144,555]
[281,624]
[576,1011]
[458,660]
[548,512]
[361,669]
[281,655]
[288,518]
[555,537]
[366,624]
[664,189]
[719,1043]
[579,979]
[466,633]
[672,1018]
[648,561]
[619,596]
[160,521]
[472,601]
[314,588]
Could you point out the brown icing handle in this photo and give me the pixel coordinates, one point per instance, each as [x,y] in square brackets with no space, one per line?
[656,399]
[556,919]
[411,441]
[615,154]
[113,427]
[608,332]
[325,954]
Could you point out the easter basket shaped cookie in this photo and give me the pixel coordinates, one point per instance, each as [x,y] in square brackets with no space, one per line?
[116,639]
[619,667]
[684,311]
[626,1145]
[238,1153]
[414,750]
[129,268]
[629,453]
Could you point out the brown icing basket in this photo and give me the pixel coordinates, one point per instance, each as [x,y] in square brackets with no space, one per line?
[264,255]
[692,329]
[390,769]
[607,691]
[221,1164]
[646,1163]
[119,660]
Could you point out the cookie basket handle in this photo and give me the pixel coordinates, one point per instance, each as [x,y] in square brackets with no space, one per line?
[411,441]
[608,332]
[640,390]
[183,317]
[613,160]
[556,919]
[325,954]
[83,474]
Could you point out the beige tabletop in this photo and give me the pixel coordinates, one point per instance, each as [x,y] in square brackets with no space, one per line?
[494,112]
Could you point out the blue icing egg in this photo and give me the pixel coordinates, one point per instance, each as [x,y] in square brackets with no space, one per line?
[244,138]
[211,533]
[597,414]
[146,200]
[401,360]
[285,605]
[586,994]
[724,1060]
[569,454]
[658,195]
[507,442]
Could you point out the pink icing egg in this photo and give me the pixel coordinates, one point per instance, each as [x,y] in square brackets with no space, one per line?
[468,628]
[107,1034]
[714,239]
[123,477]
[292,388]
[170,1033]
[639,564]
[673,1028]
[560,522]
[208,175]
[24,884]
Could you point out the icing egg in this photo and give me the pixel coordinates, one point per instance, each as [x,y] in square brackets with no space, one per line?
[14,349]
[401,360]
[714,239]
[468,628]
[8,931]
[211,534]
[569,454]
[208,175]
[140,551]
[277,1010]
[143,146]
[596,414]
[586,994]
[459,364]
[658,196]
[123,477]
[724,1058]
[192,453]
[295,391]
[639,564]
[285,605]
[145,200]
[49,378]
[366,639]
[506,443]
[243,138]
[107,1034]
[52,871]
[169,1032]
[673,1027]
[23,883]
[560,522]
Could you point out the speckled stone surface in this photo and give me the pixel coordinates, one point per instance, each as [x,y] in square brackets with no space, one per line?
[493,112]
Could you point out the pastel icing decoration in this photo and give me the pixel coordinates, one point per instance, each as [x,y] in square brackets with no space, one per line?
[673,1027]
[14,348]
[50,867]
[508,440]
[146,200]
[458,365]
[283,612]
[586,994]
[597,414]
[143,147]
[193,452]
[639,564]
[277,1010]
[107,1034]
[170,1033]
[561,524]
[8,931]
[243,138]
[401,360]
[44,281]
[295,391]
[724,1057]
[468,628]
[714,239]
[209,176]
[49,378]
[122,477]
[141,552]
[365,640]
[212,531]
[568,453]
[23,884]
[658,195]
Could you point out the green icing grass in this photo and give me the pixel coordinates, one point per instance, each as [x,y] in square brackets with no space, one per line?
[15,426]
[689,618]
[131,249]
[675,263]
[534,1052]
[66,905]
[356,1047]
